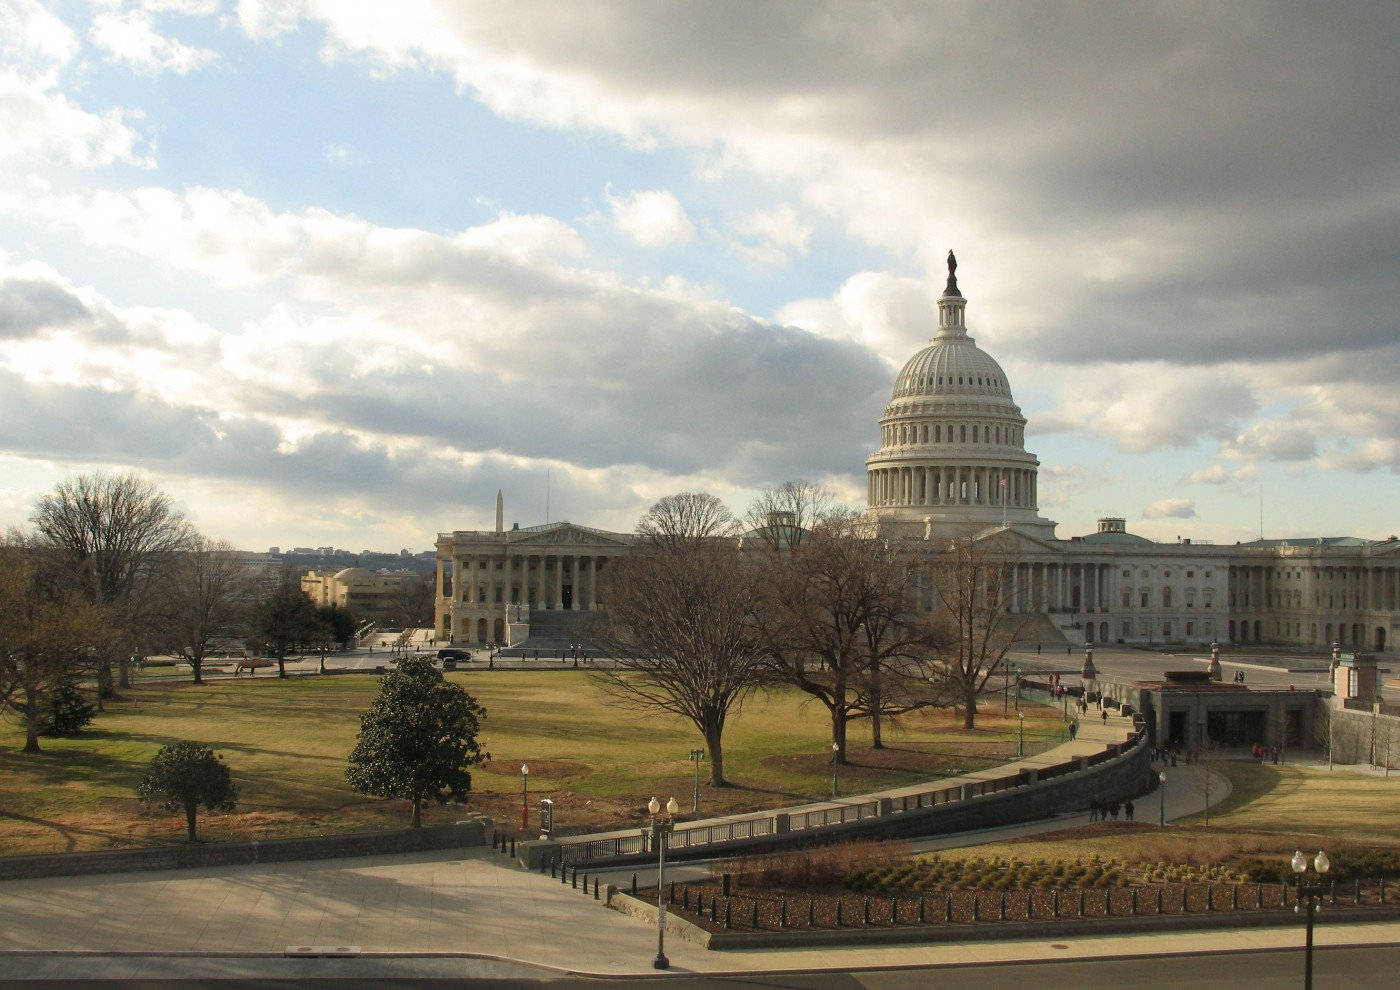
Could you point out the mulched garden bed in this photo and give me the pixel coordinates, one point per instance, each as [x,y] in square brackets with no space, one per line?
[773,909]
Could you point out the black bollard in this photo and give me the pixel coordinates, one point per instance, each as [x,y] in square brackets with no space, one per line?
[1001,907]
[838,914]
[724,884]
[921,909]
[948,908]
[728,921]
[782,913]
[512,847]
[595,888]
[671,896]
[754,926]
[685,898]
[634,885]
[811,913]
[573,881]
[714,909]
[1055,902]
[894,910]
[551,871]
[865,913]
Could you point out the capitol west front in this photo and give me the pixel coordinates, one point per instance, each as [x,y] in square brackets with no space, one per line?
[952,461]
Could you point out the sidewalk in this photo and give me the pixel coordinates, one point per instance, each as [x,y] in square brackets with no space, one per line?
[460,909]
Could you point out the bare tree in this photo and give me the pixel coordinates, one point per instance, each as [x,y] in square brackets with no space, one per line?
[205,592]
[285,617]
[783,516]
[678,621]
[972,599]
[114,531]
[836,622]
[413,602]
[686,518]
[46,628]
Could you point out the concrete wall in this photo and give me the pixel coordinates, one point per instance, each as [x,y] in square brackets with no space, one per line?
[1118,779]
[1359,737]
[465,833]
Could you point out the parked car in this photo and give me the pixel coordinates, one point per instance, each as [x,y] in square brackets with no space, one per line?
[454,654]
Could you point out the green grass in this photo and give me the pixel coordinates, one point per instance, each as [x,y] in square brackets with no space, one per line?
[286,742]
[1271,811]
[1287,800]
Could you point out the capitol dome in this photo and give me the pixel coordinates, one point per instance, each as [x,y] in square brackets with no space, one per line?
[952,440]
[952,365]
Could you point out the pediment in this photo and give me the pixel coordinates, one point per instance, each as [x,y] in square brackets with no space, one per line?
[570,535]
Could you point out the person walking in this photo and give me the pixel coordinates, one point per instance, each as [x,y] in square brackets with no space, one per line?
[1128,811]
[1073,730]
[1105,717]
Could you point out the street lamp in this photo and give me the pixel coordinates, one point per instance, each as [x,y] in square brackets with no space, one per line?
[1021,740]
[1162,794]
[660,829]
[1312,891]
[835,750]
[524,797]
[696,755]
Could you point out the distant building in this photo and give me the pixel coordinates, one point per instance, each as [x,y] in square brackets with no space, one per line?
[493,585]
[366,594]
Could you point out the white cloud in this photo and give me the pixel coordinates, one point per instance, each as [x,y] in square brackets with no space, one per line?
[1149,405]
[652,218]
[893,316]
[40,124]
[1213,475]
[772,235]
[1171,508]
[129,37]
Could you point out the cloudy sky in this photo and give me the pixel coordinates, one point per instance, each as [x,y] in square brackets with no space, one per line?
[334,271]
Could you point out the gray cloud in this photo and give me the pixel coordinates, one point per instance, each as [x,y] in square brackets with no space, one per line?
[29,305]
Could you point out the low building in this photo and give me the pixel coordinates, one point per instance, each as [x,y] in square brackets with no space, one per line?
[375,595]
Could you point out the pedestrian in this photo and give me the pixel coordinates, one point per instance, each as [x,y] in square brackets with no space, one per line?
[1105,716]
[1128,811]
[1173,757]
[1037,649]
[1073,730]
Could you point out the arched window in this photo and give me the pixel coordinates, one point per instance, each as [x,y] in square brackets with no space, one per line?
[938,433]
[963,432]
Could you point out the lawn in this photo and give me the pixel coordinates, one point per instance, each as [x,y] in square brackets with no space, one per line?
[1271,810]
[286,742]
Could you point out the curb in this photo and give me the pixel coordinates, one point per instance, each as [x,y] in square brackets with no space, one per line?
[999,932]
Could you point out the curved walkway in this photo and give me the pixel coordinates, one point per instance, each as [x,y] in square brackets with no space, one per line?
[1095,734]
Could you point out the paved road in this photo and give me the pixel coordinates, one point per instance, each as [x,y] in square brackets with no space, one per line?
[1347,968]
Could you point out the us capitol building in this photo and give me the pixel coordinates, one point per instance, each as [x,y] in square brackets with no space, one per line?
[952,460]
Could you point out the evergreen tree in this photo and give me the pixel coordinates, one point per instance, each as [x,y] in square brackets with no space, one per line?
[185,775]
[417,739]
[64,711]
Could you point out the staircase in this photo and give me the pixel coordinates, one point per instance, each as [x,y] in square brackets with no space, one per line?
[1045,630]
[552,631]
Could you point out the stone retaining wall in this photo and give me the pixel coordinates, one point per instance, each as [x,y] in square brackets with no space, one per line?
[196,854]
[1118,779]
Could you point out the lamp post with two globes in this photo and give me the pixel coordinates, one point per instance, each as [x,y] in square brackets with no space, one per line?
[1312,891]
[1162,797]
[524,797]
[660,829]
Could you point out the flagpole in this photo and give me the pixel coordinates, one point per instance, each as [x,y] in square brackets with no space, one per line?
[1003,501]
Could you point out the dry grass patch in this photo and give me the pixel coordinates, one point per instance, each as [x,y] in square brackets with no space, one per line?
[286,742]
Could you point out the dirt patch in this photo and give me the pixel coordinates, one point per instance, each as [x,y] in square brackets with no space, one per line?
[545,769]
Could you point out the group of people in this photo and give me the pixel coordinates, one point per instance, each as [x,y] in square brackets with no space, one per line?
[1101,811]
[1261,753]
